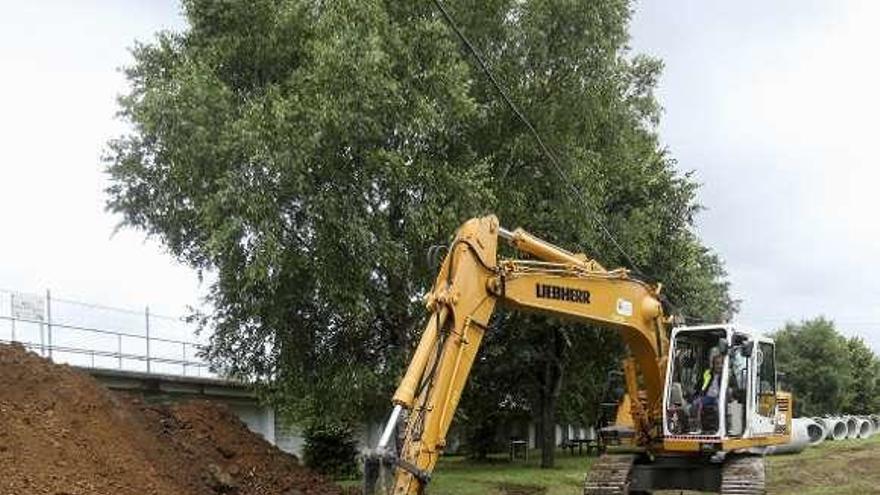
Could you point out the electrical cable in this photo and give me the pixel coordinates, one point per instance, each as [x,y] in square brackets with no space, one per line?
[549,154]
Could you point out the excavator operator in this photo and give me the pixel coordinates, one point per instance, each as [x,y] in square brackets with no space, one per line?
[707,405]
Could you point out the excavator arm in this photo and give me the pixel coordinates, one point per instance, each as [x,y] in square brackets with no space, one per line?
[471,282]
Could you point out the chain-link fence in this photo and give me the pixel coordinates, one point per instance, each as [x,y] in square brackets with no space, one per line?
[97,336]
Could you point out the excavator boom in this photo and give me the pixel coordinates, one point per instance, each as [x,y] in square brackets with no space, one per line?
[471,282]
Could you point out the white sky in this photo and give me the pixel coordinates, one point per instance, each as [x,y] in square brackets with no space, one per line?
[58,85]
[771,103]
[774,105]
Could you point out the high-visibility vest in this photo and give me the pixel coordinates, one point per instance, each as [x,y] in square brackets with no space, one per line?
[707,379]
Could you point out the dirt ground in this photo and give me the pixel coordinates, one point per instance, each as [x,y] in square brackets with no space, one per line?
[62,433]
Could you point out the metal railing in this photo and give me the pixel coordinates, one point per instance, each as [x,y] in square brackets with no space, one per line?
[97,336]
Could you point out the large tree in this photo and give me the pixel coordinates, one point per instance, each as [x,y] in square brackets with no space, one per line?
[308,153]
[864,390]
[815,360]
[827,372]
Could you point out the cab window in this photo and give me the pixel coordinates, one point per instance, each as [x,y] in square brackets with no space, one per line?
[766,385]
[696,382]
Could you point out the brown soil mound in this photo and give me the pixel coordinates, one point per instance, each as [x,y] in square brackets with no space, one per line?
[62,433]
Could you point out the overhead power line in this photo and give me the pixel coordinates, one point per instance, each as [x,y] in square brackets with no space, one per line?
[547,152]
[551,157]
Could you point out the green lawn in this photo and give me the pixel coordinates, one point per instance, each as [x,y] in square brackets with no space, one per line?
[833,468]
[459,476]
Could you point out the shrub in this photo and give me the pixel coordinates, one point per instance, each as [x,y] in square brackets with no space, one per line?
[330,449]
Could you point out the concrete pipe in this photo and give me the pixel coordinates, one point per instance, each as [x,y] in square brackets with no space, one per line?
[872,424]
[875,419]
[835,428]
[804,431]
[821,421]
[826,424]
[864,427]
[852,427]
[815,432]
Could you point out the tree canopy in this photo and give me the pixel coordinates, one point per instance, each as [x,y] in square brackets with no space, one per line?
[827,372]
[309,153]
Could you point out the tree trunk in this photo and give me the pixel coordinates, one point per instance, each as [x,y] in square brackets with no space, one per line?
[550,390]
[396,312]
[548,431]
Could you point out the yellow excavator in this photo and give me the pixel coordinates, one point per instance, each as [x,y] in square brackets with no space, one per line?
[700,404]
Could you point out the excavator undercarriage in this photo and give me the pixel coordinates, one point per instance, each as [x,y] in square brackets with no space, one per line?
[621,474]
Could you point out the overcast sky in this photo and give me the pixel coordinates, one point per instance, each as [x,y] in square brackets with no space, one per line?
[772,104]
[57,102]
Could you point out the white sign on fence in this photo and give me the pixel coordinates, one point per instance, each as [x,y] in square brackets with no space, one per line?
[28,307]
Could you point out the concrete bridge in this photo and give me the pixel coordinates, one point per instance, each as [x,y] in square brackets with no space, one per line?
[237,396]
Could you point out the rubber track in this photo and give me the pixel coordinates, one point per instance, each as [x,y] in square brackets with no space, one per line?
[609,475]
[743,475]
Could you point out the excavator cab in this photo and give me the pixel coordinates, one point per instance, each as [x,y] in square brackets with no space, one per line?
[721,385]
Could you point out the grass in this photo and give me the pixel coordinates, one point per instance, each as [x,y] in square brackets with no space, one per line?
[833,468]
[499,476]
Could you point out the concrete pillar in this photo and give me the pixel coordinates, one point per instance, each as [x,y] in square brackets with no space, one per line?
[269,429]
[533,437]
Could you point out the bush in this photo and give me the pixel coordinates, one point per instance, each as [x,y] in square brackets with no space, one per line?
[330,449]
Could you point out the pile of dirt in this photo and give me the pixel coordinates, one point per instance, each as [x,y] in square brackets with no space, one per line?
[62,433]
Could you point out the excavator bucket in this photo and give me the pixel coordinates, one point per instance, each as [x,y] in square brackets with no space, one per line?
[379,470]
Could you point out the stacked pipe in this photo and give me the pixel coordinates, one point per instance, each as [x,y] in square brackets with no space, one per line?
[809,432]
[835,428]
[804,433]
